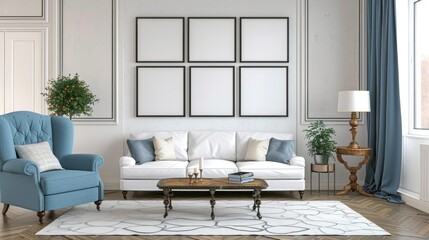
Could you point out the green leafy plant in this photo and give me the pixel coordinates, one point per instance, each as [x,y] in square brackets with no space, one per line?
[69,96]
[320,140]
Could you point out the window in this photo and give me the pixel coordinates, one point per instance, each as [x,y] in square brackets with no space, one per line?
[421,64]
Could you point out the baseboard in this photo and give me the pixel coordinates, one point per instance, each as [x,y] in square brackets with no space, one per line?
[111,185]
[414,201]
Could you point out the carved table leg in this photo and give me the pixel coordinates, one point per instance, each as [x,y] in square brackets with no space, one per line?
[170,194]
[212,202]
[258,202]
[5,208]
[167,200]
[254,200]
[40,215]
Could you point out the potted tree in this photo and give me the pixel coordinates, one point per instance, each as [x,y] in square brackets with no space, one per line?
[320,143]
[69,96]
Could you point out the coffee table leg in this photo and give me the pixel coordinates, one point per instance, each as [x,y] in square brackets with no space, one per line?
[254,199]
[258,202]
[170,194]
[212,202]
[167,201]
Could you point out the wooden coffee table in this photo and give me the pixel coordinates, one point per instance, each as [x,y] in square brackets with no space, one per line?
[211,184]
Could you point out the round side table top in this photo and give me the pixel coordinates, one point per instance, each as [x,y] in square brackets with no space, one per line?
[354,151]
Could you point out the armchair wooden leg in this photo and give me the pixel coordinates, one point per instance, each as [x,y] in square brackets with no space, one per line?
[5,208]
[98,203]
[301,194]
[40,215]
[124,194]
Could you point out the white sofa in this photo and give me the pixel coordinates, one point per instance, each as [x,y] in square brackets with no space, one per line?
[223,153]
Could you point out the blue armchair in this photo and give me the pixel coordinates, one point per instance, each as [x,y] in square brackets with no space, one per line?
[21,182]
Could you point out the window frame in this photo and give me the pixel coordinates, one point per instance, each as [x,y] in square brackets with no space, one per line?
[414,84]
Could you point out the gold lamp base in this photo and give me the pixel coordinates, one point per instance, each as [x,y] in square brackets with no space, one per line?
[353,123]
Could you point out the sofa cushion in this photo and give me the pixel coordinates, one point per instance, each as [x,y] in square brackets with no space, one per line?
[257,149]
[61,181]
[40,153]
[244,137]
[164,148]
[214,168]
[271,170]
[180,140]
[155,170]
[212,145]
[280,150]
[141,150]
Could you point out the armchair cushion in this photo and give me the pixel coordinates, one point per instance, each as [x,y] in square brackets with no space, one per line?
[40,153]
[61,181]
[84,162]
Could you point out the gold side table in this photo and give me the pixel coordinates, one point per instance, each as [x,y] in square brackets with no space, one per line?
[353,186]
[321,168]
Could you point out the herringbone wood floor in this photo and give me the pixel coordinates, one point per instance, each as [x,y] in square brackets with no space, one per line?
[402,221]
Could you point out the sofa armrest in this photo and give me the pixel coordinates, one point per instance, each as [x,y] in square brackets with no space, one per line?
[126,161]
[297,161]
[85,162]
[22,166]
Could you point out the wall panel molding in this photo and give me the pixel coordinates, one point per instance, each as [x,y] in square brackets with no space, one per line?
[24,71]
[23,9]
[334,56]
[88,46]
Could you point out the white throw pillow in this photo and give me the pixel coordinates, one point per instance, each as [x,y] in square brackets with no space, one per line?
[164,148]
[257,149]
[40,153]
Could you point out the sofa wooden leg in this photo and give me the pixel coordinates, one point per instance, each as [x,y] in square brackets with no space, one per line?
[301,194]
[40,215]
[5,208]
[98,203]
[124,194]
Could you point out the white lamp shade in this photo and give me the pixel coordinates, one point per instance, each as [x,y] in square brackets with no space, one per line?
[353,101]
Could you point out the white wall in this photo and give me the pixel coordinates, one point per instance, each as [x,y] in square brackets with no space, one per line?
[108,139]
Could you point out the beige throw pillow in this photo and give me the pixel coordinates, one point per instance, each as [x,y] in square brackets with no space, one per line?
[164,148]
[40,153]
[257,149]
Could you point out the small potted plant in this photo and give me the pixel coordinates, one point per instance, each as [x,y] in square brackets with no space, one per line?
[320,143]
[69,96]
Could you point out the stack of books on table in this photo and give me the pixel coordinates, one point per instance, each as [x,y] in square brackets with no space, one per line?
[240,177]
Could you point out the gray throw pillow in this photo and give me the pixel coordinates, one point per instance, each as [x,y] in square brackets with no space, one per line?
[280,150]
[142,150]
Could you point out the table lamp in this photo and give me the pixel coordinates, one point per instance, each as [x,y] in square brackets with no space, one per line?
[353,101]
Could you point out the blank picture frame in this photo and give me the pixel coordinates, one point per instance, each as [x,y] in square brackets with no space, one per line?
[211,39]
[264,39]
[160,39]
[160,91]
[211,91]
[263,91]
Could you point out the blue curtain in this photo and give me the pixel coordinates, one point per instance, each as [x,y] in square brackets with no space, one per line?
[384,121]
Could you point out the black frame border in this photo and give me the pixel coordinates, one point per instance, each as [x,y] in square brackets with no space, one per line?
[190,91]
[212,61]
[241,39]
[183,39]
[287,91]
[137,91]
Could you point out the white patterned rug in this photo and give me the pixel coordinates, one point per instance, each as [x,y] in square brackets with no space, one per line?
[232,218]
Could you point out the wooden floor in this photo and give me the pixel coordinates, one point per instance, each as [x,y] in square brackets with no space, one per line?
[402,221]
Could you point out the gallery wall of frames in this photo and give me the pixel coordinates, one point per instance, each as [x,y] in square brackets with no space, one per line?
[211,44]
